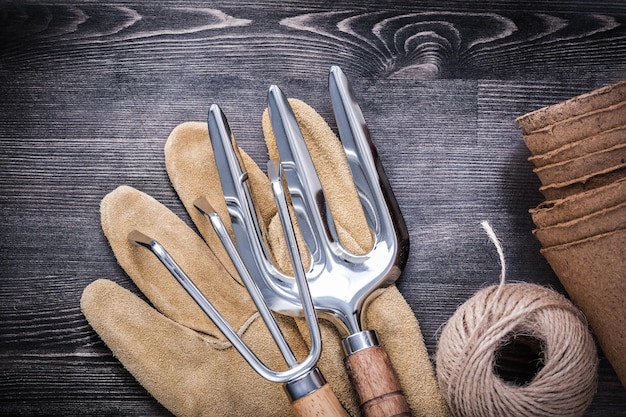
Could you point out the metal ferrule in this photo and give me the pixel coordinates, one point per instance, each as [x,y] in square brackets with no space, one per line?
[304,385]
[359,341]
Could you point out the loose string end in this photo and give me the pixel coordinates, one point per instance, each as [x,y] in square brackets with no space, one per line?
[494,239]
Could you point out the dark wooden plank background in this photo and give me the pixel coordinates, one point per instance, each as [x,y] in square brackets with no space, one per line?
[89,92]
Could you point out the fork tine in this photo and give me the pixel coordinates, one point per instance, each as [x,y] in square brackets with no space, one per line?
[245,222]
[305,189]
[377,197]
[233,179]
[226,152]
[354,133]
[250,257]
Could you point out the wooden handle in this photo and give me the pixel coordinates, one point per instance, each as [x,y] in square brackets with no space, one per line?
[321,402]
[376,384]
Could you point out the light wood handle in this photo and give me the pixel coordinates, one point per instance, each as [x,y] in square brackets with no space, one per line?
[376,384]
[321,402]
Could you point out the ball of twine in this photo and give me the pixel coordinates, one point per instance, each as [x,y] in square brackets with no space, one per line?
[475,360]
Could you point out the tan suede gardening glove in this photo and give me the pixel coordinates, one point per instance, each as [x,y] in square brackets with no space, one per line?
[174,350]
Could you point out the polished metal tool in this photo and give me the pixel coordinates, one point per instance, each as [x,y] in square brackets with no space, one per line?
[341,283]
[305,386]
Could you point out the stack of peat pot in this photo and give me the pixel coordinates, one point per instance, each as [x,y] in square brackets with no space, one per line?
[579,151]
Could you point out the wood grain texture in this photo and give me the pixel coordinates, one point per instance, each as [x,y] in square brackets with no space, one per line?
[376,384]
[320,403]
[89,93]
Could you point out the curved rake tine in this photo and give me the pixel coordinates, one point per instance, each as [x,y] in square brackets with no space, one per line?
[207,307]
[276,179]
[304,384]
[203,205]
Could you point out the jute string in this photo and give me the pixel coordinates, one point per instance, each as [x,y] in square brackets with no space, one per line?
[496,326]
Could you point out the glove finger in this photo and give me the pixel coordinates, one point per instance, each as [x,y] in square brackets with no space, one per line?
[126,209]
[193,172]
[189,374]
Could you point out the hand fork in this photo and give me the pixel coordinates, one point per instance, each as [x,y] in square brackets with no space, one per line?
[340,282]
[305,386]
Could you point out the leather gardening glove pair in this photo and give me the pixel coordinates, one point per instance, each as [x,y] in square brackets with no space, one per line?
[174,350]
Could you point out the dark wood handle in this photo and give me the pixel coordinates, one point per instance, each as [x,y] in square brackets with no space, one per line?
[321,402]
[376,384]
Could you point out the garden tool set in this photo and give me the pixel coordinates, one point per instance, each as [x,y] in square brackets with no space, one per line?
[340,281]
[334,255]
[321,236]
